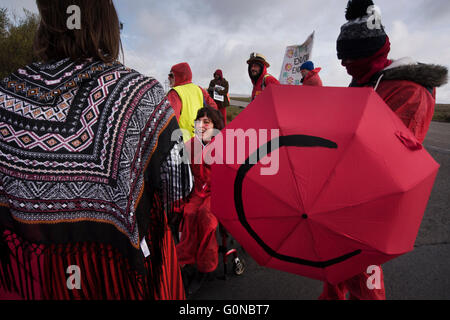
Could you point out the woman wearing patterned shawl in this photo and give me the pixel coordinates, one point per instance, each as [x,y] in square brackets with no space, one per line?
[88,168]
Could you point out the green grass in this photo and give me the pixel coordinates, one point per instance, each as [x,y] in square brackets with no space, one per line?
[232,113]
[442,113]
[240,99]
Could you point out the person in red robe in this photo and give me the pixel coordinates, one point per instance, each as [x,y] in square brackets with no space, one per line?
[198,243]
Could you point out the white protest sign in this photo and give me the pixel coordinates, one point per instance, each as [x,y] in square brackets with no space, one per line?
[217,96]
[294,57]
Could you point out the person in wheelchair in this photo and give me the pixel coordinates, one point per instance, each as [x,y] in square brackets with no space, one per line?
[198,245]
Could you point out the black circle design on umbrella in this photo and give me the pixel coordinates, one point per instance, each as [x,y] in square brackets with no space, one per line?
[286,141]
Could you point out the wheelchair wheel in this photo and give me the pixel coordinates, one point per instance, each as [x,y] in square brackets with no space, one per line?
[238,266]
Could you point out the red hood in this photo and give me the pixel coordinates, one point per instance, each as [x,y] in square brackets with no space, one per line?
[182,73]
[219,72]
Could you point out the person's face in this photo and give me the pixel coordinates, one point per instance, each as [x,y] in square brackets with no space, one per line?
[205,128]
[255,69]
[216,76]
[304,72]
[171,78]
[346,62]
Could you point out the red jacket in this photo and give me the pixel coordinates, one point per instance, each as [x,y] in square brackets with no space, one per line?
[183,75]
[265,79]
[200,170]
[411,102]
[313,78]
[409,90]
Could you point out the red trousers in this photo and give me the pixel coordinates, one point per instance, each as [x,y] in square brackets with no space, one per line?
[223,111]
[357,288]
[198,242]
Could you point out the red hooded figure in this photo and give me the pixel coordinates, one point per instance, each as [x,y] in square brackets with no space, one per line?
[219,85]
[181,74]
[198,244]
[257,70]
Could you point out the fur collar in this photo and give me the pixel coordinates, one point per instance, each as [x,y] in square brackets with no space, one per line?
[427,75]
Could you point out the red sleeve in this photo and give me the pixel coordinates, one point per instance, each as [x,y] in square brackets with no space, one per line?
[271,80]
[313,81]
[175,102]
[209,101]
[411,102]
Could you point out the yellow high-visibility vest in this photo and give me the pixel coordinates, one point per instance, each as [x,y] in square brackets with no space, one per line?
[192,100]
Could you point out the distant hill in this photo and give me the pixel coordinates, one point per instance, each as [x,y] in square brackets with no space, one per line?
[242,99]
[442,113]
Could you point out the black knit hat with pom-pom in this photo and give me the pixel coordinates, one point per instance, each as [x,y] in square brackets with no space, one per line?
[357,38]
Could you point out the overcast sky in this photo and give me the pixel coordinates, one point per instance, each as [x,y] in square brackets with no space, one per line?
[221,34]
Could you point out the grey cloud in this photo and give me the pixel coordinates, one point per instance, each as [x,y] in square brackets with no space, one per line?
[211,34]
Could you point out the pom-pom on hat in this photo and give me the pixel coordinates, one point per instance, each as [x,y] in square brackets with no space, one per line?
[360,37]
[357,9]
[308,65]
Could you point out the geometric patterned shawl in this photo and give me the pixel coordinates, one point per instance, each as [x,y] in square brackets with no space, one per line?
[82,149]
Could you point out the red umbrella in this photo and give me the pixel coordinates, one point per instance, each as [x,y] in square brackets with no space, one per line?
[341,186]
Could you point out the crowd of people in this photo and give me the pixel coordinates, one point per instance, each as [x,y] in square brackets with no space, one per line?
[96,180]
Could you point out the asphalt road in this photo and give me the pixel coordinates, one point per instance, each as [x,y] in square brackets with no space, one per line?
[422,274]
[238,103]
